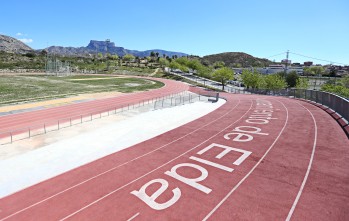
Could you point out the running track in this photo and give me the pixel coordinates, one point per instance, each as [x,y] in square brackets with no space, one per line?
[50,116]
[292,167]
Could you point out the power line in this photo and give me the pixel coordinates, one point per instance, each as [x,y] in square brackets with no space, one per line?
[277,55]
[331,62]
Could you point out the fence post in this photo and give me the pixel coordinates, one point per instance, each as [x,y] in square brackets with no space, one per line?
[70,121]
[58,124]
[29,132]
[81,119]
[45,128]
[11,137]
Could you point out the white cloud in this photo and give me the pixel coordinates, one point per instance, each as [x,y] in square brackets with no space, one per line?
[19,34]
[26,40]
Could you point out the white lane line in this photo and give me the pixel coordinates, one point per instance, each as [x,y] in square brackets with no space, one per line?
[173,159]
[308,170]
[116,167]
[133,217]
[253,168]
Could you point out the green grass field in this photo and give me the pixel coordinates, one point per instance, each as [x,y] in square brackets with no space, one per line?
[14,89]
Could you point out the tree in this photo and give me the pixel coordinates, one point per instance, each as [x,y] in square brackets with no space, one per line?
[250,79]
[157,54]
[205,72]
[345,81]
[332,72]
[314,70]
[174,65]
[218,64]
[292,78]
[223,75]
[183,61]
[336,89]
[43,52]
[152,54]
[275,82]
[194,64]
[100,55]
[302,83]
[164,62]
[128,57]
[115,57]
[30,54]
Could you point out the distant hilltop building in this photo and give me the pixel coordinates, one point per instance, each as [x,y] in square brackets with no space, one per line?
[308,63]
[276,68]
[286,61]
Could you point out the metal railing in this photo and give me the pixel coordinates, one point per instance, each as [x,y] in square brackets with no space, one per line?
[332,101]
[8,137]
[338,104]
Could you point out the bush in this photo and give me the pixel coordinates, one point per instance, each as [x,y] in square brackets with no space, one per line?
[30,55]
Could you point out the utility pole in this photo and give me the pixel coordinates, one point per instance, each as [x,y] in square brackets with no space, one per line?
[107,41]
[287,53]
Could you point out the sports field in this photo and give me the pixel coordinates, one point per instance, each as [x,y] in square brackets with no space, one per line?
[14,89]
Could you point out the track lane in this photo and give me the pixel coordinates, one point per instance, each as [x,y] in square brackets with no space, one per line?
[191,127]
[326,193]
[27,119]
[268,193]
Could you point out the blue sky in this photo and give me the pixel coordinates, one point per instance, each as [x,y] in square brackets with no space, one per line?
[316,28]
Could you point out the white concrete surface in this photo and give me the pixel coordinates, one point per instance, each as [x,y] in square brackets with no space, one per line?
[31,167]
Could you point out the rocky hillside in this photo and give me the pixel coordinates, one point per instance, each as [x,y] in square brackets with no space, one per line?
[12,45]
[103,47]
[236,59]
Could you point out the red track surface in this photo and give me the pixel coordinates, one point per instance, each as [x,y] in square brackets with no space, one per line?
[296,167]
[38,118]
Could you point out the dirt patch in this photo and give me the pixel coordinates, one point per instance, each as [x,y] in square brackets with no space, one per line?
[60,102]
[88,79]
[132,84]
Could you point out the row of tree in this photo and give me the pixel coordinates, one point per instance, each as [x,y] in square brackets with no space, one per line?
[339,87]
[255,80]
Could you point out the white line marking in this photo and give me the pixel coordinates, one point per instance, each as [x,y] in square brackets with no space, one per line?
[228,169]
[133,217]
[253,168]
[308,170]
[114,191]
[114,168]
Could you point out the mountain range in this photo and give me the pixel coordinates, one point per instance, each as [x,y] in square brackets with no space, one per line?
[12,45]
[104,47]
[231,59]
